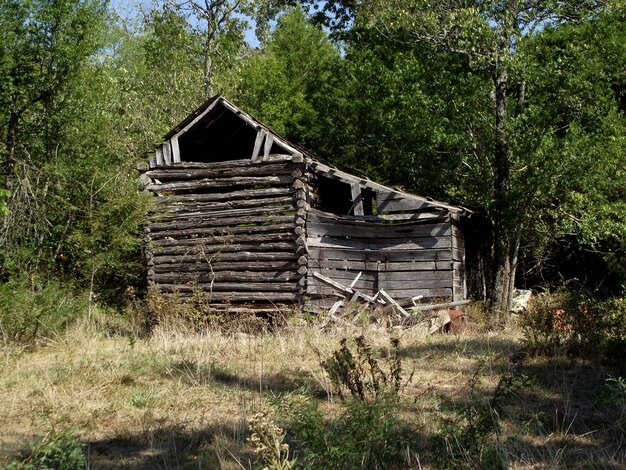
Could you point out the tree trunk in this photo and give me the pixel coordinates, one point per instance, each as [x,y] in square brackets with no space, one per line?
[505,241]
[7,165]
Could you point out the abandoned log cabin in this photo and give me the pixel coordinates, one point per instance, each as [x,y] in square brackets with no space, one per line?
[250,218]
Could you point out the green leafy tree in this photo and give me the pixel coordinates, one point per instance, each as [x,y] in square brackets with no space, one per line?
[507,148]
[291,83]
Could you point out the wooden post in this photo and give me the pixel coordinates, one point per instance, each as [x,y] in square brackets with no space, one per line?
[159,159]
[260,135]
[357,200]
[167,153]
[175,149]
[269,141]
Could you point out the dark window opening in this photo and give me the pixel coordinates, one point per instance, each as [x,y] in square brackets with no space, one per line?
[334,196]
[219,136]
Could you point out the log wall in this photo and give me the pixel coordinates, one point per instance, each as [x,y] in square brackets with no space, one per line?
[231,229]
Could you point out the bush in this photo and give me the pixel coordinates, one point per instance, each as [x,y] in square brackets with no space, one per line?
[360,372]
[471,438]
[363,434]
[60,451]
[577,324]
[367,431]
[31,310]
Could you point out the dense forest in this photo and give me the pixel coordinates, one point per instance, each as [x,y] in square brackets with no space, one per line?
[515,109]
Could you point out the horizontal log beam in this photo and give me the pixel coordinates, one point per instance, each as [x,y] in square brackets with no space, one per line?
[238,256]
[210,219]
[174,173]
[181,209]
[221,183]
[228,238]
[220,248]
[249,224]
[226,276]
[224,196]
[233,266]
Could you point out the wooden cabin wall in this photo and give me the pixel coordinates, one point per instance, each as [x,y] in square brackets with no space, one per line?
[405,259]
[232,229]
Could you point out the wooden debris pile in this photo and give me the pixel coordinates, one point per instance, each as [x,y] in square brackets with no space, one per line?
[384,308]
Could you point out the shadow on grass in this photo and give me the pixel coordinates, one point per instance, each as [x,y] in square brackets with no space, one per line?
[467,347]
[195,374]
[171,447]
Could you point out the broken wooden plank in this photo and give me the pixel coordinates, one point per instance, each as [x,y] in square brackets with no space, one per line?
[346,291]
[392,301]
[421,308]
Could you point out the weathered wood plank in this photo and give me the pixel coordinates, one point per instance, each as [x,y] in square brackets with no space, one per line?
[389,276]
[240,286]
[395,202]
[315,215]
[386,244]
[175,150]
[223,196]
[227,276]
[227,229]
[212,183]
[179,209]
[260,135]
[219,257]
[364,231]
[175,173]
[226,238]
[223,248]
[228,222]
[158,157]
[211,219]
[370,286]
[374,265]
[397,294]
[357,200]
[393,303]
[167,153]
[343,254]
[269,141]
[261,296]
[199,216]
[243,163]
[233,266]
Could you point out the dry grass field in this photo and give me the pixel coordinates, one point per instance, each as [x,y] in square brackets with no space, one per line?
[181,398]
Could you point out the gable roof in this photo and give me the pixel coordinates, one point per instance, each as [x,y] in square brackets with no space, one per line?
[168,153]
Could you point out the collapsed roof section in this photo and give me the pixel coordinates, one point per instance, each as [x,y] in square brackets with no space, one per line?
[219,131]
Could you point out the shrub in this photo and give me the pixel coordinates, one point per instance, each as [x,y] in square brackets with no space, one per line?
[367,431]
[30,310]
[361,374]
[471,438]
[60,451]
[363,434]
[577,324]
